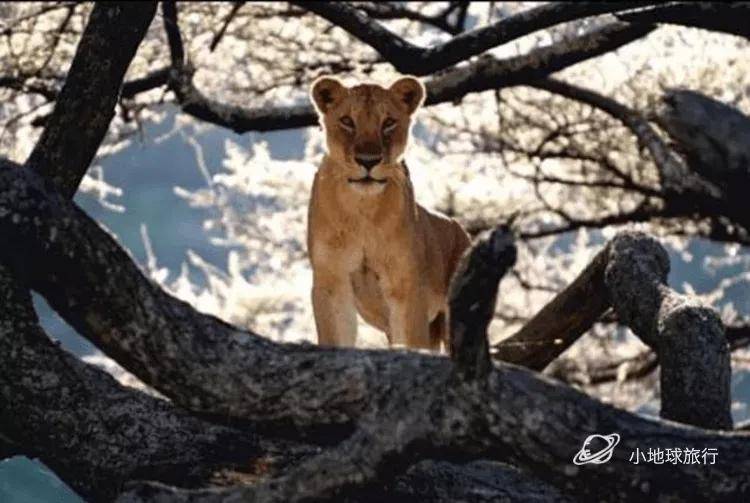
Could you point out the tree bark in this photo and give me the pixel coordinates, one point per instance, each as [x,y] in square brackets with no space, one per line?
[402,406]
[90,91]
[93,432]
[472,297]
[630,274]
[687,336]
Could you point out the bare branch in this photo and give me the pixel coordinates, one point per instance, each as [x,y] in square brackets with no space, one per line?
[150,81]
[674,175]
[409,58]
[228,19]
[112,35]
[481,75]
[561,321]
[729,17]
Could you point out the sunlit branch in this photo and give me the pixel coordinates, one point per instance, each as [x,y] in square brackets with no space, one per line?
[409,58]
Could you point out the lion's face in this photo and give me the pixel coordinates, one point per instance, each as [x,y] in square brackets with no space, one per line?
[367,127]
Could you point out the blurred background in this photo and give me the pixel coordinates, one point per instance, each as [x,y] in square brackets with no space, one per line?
[218,218]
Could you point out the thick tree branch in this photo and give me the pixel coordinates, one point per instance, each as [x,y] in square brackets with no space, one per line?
[186,355]
[108,44]
[629,274]
[729,17]
[714,139]
[95,433]
[687,336]
[561,322]
[409,58]
[481,75]
[490,73]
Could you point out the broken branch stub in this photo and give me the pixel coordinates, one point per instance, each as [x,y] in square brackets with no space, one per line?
[687,336]
[472,296]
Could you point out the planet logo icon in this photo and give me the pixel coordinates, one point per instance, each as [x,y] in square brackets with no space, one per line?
[597,449]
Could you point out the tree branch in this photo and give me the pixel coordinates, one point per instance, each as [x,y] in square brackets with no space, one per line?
[112,35]
[687,336]
[406,402]
[481,75]
[673,174]
[714,139]
[409,58]
[224,25]
[561,321]
[630,275]
[95,433]
[631,368]
[727,17]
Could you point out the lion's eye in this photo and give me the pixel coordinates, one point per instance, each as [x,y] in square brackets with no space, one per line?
[347,122]
[388,125]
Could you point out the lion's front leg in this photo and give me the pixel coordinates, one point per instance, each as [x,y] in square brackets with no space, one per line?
[408,324]
[334,308]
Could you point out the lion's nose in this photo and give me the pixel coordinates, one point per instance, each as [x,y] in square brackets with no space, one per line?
[368,161]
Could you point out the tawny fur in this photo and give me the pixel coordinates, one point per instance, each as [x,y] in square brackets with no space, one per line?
[373,249]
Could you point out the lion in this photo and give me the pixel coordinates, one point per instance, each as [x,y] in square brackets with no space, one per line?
[373,249]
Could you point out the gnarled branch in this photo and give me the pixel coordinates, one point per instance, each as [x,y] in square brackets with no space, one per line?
[407,402]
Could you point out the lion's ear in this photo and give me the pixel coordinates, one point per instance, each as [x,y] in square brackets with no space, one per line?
[326,92]
[409,91]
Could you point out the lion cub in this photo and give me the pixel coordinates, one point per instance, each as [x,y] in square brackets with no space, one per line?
[373,249]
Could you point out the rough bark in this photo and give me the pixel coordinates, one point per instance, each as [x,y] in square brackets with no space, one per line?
[687,336]
[90,92]
[95,433]
[629,274]
[476,482]
[402,405]
[533,424]
[472,298]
